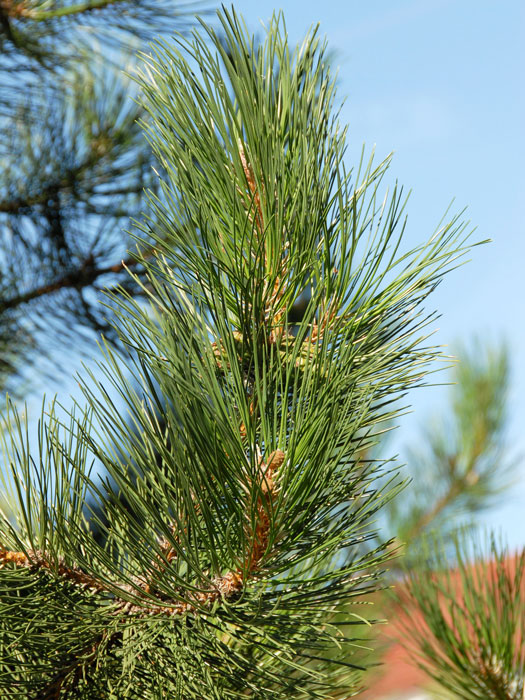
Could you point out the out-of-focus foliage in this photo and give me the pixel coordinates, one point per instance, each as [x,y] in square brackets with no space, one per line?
[73,168]
[461,464]
[465,618]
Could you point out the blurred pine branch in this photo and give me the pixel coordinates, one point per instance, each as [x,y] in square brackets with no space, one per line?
[466,610]
[462,464]
[73,169]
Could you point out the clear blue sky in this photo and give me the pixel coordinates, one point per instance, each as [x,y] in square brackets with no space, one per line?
[440,82]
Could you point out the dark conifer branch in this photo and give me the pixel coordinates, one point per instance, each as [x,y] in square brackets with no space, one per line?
[12,8]
[20,9]
[84,276]
[6,11]
[68,678]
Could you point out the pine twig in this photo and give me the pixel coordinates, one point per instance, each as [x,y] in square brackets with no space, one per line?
[225,586]
[82,277]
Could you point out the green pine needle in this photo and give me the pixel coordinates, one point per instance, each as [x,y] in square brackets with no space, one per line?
[237,522]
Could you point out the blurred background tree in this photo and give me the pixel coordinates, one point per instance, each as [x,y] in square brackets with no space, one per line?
[464,618]
[460,466]
[73,167]
[459,607]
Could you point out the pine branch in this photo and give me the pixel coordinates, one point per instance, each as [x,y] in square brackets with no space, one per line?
[6,11]
[20,9]
[69,181]
[11,8]
[38,560]
[84,276]
[455,489]
[69,677]
[466,627]
[464,466]
[237,507]
[75,167]
[223,587]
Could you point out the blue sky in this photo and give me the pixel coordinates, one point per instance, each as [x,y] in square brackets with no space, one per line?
[440,83]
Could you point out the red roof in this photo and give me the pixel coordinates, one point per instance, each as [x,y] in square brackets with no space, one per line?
[397,677]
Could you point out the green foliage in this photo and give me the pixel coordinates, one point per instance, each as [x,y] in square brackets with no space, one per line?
[229,571]
[467,619]
[73,168]
[33,32]
[460,467]
[463,465]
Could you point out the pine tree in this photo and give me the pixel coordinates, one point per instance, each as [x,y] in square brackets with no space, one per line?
[73,167]
[467,618]
[462,463]
[465,598]
[247,530]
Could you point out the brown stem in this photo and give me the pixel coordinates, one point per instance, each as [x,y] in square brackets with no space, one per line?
[268,490]
[82,277]
[253,189]
[37,560]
